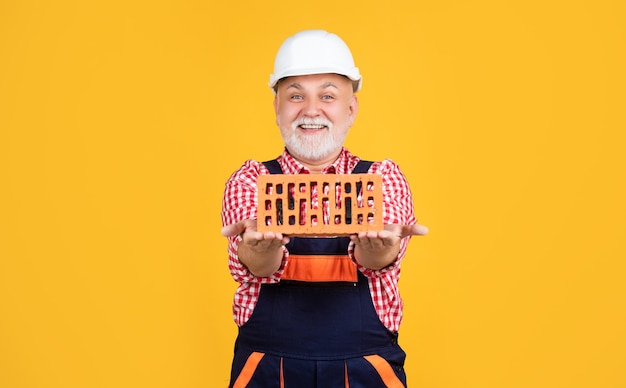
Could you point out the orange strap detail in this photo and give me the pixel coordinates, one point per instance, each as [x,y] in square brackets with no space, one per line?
[248,370]
[384,370]
[345,368]
[282,377]
[320,268]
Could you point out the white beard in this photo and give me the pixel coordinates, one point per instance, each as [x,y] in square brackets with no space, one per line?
[313,146]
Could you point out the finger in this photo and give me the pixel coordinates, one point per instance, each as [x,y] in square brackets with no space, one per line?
[233,229]
[275,238]
[371,239]
[407,230]
[357,238]
[367,236]
[265,240]
[238,228]
[414,230]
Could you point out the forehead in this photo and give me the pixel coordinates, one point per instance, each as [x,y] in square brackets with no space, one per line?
[316,81]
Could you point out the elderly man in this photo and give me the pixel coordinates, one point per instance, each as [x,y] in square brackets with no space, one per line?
[316,333]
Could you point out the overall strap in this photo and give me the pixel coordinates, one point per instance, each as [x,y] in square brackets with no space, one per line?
[273,166]
[361,168]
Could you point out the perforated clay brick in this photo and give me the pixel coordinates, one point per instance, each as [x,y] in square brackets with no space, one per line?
[319,204]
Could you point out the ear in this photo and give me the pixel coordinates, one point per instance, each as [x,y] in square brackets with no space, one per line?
[276,108]
[353,108]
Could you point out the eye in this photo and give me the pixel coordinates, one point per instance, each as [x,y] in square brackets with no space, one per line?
[296,97]
[327,97]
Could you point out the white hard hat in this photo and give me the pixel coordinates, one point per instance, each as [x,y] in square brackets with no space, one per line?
[314,52]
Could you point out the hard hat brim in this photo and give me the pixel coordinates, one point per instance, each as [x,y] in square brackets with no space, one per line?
[354,75]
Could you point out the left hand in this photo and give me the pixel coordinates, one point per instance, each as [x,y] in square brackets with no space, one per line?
[377,250]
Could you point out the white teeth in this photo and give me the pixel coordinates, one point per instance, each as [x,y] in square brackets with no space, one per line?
[312,124]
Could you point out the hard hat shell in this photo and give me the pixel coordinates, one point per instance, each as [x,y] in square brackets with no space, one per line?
[314,52]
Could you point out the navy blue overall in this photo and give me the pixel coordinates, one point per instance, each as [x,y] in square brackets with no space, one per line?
[317,334]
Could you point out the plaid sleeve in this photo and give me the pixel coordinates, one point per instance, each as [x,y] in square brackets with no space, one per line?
[240,203]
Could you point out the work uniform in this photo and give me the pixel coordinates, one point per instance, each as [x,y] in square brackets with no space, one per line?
[317,327]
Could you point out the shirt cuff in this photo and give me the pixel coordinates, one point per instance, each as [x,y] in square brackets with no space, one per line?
[368,272]
[249,275]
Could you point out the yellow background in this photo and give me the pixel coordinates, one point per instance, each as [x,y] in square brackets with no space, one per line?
[121,120]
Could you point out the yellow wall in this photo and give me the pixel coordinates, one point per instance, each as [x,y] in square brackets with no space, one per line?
[121,120]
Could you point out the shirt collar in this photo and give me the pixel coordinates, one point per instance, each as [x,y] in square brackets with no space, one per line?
[342,165]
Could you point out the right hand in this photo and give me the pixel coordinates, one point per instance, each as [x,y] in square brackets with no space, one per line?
[261,253]
[249,235]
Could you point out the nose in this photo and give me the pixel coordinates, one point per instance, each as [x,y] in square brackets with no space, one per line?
[312,107]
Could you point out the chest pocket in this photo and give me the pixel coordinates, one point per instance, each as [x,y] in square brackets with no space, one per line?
[320,268]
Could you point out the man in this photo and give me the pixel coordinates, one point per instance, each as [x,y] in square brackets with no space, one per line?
[315,333]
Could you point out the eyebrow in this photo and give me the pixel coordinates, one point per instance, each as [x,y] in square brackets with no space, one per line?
[325,85]
[329,85]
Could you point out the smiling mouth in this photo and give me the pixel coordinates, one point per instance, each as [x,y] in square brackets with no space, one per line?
[312,126]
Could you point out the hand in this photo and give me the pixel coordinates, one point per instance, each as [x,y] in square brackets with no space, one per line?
[377,250]
[248,232]
[260,252]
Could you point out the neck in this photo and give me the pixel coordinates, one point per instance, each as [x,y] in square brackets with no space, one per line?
[316,166]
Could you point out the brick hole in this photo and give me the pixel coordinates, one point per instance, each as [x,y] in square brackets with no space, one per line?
[268,220]
[291,190]
[268,205]
[279,210]
[348,210]
[313,195]
[292,220]
[302,211]
[326,210]
[337,195]
[269,189]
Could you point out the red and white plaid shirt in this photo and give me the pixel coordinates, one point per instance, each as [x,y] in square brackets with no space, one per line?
[240,203]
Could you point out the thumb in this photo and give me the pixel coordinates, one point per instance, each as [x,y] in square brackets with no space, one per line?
[234,229]
[414,230]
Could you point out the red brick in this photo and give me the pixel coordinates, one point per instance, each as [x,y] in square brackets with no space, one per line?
[356,214]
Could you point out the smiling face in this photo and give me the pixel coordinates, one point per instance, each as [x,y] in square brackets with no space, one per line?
[314,113]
